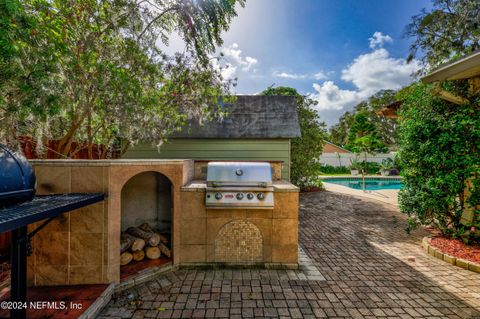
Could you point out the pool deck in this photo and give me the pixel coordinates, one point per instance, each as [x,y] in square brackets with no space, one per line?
[389,196]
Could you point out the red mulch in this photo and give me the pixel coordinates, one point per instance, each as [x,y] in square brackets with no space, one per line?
[457,248]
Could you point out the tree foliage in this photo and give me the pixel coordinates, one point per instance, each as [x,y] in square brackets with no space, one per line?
[91,71]
[448,31]
[439,152]
[363,137]
[305,150]
[385,127]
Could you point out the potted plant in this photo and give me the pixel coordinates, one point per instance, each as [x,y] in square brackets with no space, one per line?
[387,167]
[355,167]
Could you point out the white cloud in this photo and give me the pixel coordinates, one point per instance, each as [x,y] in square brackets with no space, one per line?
[232,62]
[369,73]
[377,70]
[234,54]
[302,76]
[228,72]
[320,76]
[292,76]
[331,97]
[378,40]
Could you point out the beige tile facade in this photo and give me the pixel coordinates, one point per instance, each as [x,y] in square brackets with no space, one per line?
[231,233]
[82,246]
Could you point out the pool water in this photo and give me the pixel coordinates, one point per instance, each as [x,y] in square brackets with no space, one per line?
[372,184]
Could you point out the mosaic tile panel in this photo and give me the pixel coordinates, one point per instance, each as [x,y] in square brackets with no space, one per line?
[239,241]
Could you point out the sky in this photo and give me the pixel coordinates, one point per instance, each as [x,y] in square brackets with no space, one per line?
[339,52]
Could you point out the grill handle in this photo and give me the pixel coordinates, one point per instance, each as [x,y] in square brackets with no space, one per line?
[217,184]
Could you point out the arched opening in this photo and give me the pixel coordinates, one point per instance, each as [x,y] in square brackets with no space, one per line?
[146,199]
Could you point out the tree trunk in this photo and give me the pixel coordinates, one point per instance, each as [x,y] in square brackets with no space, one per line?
[136,243]
[125,258]
[152,252]
[152,239]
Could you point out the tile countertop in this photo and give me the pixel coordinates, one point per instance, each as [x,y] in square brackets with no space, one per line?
[278,187]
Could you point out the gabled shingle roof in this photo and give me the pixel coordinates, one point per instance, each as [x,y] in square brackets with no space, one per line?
[250,116]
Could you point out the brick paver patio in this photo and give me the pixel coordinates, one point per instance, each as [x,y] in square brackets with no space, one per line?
[357,262]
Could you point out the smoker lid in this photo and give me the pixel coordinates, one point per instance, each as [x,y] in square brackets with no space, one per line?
[239,173]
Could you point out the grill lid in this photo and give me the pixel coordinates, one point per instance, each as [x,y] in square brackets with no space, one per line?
[239,174]
[17,179]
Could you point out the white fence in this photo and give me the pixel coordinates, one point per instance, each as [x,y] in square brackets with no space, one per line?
[344,159]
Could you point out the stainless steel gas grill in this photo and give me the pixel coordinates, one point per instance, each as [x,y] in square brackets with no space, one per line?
[236,185]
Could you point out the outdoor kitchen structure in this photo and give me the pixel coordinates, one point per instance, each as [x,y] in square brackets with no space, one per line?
[207,212]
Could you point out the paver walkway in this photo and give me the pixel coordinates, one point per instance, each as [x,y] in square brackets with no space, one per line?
[357,262]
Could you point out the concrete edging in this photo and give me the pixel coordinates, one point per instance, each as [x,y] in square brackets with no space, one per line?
[143,277]
[97,306]
[435,252]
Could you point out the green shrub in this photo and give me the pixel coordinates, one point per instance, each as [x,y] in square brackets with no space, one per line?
[439,152]
[387,163]
[372,167]
[329,169]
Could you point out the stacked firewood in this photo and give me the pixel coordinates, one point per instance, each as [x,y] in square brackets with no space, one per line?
[138,243]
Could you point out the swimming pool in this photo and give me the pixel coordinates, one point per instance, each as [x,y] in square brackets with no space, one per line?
[371,184]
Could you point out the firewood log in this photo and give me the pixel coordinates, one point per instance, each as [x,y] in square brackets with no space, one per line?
[136,243]
[152,252]
[138,255]
[146,227]
[125,245]
[125,258]
[152,239]
[164,249]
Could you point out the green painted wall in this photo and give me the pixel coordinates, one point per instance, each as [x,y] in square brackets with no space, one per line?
[219,149]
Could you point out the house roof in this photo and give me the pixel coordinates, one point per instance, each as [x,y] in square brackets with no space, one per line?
[464,68]
[334,148]
[390,111]
[250,116]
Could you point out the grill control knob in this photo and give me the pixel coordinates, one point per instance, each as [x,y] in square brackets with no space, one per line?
[260,196]
[239,196]
[239,172]
[250,196]
[218,196]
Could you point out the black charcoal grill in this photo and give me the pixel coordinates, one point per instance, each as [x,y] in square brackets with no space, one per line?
[19,207]
[17,179]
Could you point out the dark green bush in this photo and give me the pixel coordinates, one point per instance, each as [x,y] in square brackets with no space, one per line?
[372,167]
[329,169]
[439,152]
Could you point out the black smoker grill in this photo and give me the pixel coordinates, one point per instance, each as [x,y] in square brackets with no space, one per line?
[19,207]
[17,180]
